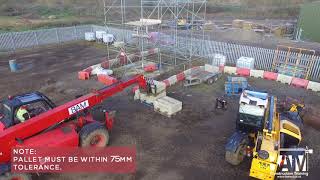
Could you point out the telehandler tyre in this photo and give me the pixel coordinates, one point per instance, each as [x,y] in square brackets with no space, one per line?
[94,135]
[235,158]
[18,177]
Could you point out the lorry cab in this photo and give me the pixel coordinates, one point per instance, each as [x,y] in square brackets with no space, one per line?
[35,102]
[252,110]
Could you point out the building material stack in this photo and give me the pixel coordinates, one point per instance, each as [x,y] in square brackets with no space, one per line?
[157,89]
[156,96]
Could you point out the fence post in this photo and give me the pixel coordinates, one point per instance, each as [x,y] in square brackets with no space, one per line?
[36,37]
[75,33]
[57,34]
[12,40]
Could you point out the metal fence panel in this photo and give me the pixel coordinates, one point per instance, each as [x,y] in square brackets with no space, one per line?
[263,57]
[47,37]
[29,39]
[6,42]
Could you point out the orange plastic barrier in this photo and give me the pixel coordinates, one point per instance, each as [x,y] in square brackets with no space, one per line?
[243,71]
[107,80]
[270,75]
[181,76]
[302,83]
[85,74]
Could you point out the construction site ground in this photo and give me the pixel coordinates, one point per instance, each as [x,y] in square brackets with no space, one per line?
[189,145]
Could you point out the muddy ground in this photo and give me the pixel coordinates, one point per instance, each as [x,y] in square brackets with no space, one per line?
[189,145]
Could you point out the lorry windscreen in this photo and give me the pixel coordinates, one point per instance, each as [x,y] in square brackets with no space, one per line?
[5,111]
[251,119]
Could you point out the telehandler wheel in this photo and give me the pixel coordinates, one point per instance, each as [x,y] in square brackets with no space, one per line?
[94,135]
[19,177]
[235,158]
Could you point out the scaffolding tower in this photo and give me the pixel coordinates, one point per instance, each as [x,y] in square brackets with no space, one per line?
[171,26]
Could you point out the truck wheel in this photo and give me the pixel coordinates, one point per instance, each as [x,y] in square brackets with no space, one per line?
[235,158]
[210,81]
[94,135]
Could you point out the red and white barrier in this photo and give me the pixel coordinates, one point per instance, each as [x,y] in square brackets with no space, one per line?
[198,68]
[122,60]
[187,72]
[173,80]
[166,82]
[256,73]
[297,82]
[181,76]
[230,70]
[284,79]
[177,78]
[270,75]
[314,86]
[221,68]
[243,71]
[211,69]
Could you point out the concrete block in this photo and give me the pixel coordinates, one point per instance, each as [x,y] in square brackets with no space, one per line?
[230,70]
[136,94]
[256,73]
[167,106]
[284,79]
[160,87]
[151,98]
[314,86]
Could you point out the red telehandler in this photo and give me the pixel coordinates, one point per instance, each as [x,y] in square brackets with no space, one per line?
[67,125]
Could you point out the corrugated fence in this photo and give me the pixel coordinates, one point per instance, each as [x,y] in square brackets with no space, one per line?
[263,57]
